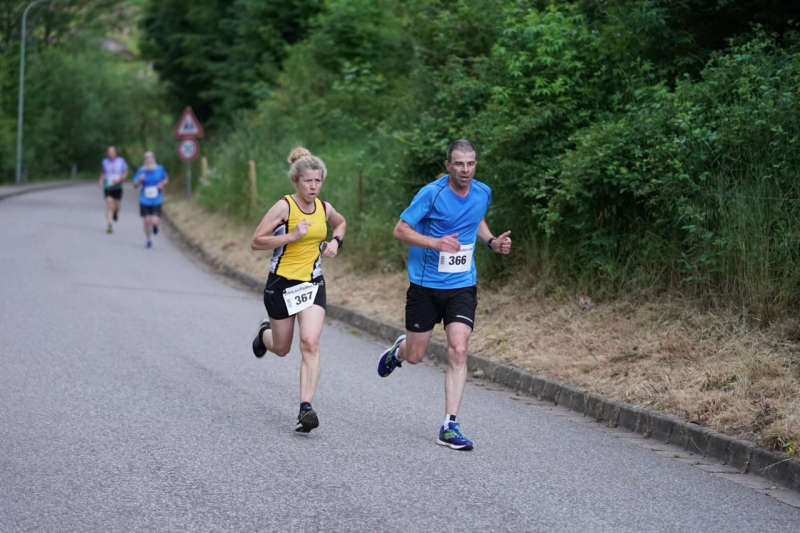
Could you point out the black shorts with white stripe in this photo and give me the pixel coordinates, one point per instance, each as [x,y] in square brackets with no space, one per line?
[426,306]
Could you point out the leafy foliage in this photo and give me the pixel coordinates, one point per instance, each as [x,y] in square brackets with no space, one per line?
[629,144]
[220,56]
[78,97]
[53,22]
[697,180]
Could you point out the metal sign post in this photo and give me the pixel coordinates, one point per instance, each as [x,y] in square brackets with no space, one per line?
[187,129]
[187,150]
[189,180]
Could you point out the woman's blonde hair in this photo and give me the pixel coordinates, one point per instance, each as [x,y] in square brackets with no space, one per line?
[301,159]
[155,163]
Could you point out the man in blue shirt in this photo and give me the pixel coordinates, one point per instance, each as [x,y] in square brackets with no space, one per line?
[442,226]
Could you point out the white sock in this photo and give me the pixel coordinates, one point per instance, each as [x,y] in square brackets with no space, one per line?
[397,352]
[449,418]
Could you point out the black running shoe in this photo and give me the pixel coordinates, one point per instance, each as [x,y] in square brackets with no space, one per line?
[258,343]
[306,421]
[389,361]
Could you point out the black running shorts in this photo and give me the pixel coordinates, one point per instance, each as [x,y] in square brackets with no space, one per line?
[154,210]
[426,307]
[113,192]
[273,295]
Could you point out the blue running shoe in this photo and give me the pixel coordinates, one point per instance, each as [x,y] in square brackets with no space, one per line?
[149,244]
[452,437]
[388,361]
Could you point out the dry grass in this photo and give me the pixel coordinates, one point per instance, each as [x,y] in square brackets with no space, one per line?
[660,353]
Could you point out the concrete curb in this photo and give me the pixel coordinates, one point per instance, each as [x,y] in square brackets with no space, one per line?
[16,190]
[742,455]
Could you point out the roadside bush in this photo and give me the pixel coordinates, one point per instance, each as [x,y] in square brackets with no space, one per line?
[692,186]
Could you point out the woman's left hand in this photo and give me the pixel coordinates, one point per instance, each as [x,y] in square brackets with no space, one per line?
[331,248]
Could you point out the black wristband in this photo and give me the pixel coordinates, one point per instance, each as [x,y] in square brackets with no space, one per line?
[489,243]
[339,240]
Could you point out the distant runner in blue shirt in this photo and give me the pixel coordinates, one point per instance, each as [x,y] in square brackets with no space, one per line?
[113,173]
[152,177]
[442,226]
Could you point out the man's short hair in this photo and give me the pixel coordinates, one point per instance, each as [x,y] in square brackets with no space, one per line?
[461,145]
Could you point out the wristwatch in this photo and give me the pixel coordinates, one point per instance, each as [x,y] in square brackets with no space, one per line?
[339,240]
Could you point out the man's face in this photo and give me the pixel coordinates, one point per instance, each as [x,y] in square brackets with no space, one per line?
[112,152]
[461,167]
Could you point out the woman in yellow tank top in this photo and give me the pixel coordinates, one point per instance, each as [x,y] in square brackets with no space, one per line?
[301,260]
[295,229]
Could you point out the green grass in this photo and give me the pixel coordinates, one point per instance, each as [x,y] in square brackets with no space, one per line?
[371,209]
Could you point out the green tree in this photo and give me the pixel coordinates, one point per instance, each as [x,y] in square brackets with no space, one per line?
[79,97]
[219,56]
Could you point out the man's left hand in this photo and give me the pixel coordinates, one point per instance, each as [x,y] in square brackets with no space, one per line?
[502,244]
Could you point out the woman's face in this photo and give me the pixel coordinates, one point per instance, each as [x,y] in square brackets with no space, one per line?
[149,160]
[308,184]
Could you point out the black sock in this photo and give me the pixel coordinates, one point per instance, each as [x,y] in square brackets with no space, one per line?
[305,406]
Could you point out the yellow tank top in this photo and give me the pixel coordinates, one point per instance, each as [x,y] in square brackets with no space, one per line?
[301,260]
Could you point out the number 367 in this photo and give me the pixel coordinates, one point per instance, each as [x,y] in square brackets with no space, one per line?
[301,298]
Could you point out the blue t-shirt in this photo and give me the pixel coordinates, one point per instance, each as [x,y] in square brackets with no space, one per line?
[437,211]
[149,180]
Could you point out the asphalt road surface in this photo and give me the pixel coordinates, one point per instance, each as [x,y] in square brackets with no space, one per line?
[130,401]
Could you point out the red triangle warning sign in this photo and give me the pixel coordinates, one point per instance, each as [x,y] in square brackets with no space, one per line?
[188,125]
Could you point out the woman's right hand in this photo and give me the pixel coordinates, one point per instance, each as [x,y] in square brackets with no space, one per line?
[300,229]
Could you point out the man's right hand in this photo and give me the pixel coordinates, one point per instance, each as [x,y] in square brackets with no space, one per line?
[447,243]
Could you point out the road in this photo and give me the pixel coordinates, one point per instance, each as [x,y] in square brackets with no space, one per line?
[130,401]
